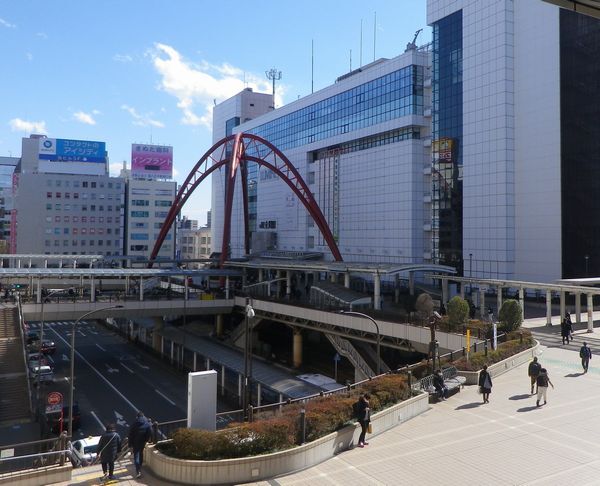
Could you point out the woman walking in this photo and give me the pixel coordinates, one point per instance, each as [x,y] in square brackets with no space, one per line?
[364,418]
[485,384]
[108,448]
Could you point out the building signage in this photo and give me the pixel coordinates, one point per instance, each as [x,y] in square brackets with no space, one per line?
[443,148]
[60,150]
[151,161]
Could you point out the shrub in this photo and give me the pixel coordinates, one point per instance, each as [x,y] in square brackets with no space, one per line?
[458,311]
[424,305]
[510,315]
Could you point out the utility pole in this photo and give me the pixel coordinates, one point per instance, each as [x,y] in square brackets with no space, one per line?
[273,75]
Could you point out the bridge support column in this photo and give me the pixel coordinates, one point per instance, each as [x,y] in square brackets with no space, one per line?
[126,285]
[376,291]
[141,289]
[260,275]
[222,380]
[522,302]
[347,280]
[92,290]
[411,283]
[244,277]
[39,291]
[297,348]
[156,337]
[333,277]
[288,284]
[578,308]
[562,305]
[499,301]
[219,325]
[226,287]
[482,310]
[396,288]
[258,393]
[548,308]
[590,312]
[445,292]
[278,284]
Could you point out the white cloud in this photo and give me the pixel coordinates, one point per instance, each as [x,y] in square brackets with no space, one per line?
[142,120]
[18,125]
[42,35]
[114,169]
[29,56]
[7,24]
[122,58]
[83,117]
[196,86]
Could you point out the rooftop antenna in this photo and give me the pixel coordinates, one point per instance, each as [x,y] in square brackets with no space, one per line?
[374,34]
[360,56]
[350,60]
[273,75]
[312,66]
[411,46]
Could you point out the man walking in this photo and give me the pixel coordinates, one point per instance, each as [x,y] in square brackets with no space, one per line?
[108,448]
[533,371]
[140,432]
[585,354]
[542,386]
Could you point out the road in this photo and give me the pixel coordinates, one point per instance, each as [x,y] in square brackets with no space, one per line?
[113,379]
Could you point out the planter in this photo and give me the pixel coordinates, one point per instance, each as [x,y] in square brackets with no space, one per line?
[257,468]
[503,366]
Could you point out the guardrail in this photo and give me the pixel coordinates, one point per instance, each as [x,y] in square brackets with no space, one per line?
[31,455]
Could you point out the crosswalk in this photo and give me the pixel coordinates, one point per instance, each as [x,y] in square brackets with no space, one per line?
[35,325]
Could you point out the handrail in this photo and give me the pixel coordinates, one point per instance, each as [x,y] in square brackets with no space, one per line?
[346,349]
[24,349]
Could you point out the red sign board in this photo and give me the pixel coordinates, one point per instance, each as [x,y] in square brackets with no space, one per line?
[54,398]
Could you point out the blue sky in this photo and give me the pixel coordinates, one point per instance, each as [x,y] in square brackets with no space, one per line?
[147,70]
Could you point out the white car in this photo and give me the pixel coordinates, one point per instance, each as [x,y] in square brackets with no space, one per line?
[37,359]
[84,451]
[45,373]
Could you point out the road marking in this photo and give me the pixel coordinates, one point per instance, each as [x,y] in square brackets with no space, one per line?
[102,377]
[166,398]
[120,419]
[144,367]
[65,357]
[100,347]
[102,426]
[111,370]
[127,368]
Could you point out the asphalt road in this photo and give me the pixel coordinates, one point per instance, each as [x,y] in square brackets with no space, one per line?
[113,378]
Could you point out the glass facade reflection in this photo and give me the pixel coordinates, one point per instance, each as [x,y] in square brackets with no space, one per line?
[447,177]
[396,94]
[580,143]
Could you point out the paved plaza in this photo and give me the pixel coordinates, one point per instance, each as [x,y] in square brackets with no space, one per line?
[464,442]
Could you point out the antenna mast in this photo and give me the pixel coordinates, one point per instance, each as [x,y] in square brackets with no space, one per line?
[273,75]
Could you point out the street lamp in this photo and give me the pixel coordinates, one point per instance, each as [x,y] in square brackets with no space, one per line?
[72,387]
[249,312]
[360,314]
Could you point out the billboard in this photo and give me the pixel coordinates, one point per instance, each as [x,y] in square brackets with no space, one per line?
[151,161]
[60,150]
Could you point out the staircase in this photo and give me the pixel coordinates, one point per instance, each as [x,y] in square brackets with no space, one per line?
[345,348]
[15,403]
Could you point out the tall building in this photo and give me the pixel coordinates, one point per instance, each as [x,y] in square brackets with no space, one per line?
[359,144]
[64,200]
[7,169]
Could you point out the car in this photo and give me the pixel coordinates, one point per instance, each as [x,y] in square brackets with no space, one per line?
[84,451]
[37,359]
[44,373]
[48,347]
[53,419]
[32,337]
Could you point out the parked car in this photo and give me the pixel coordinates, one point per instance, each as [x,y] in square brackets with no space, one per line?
[32,337]
[39,359]
[44,372]
[48,347]
[84,451]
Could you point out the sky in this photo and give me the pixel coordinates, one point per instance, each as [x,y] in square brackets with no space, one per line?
[150,71]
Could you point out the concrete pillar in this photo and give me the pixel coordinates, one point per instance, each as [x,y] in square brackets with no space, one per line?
[499,301]
[411,283]
[172,350]
[74,263]
[548,308]
[46,263]
[142,289]
[377,291]
[278,285]
[195,368]
[590,313]
[462,290]
[39,291]
[222,380]
[92,290]
[207,364]
[260,274]
[562,305]
[347,280]
[219,325]
[126,285]
[19,263]
[522,302]
[156,337]
[482,309]
[297,348]
[578,308]
[240,378]
[445,292]
[258,393]
[396,288]
[288,284]
[226,287]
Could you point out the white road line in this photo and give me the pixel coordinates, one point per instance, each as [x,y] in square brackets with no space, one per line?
[166,398]
[127,368]
[98,420]
[100,347]
[102,377]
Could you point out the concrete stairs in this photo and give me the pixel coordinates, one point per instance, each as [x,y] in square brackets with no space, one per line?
[345,348]
[15,405]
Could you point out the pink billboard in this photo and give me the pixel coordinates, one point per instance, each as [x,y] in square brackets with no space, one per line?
[151,161]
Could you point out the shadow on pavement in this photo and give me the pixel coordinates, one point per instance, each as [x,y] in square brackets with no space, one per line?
[469,405]
[527,409]
[574,375]
[520,397]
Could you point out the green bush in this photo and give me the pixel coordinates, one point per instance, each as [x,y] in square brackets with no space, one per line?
[510,315]
[458,312]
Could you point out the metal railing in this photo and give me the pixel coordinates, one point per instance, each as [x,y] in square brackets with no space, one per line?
[346,349]
[31,455]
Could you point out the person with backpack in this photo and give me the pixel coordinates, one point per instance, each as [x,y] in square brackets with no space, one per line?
[363,415]
[542,386]
[108,448]
[585,354]
[140,432]
[533,371]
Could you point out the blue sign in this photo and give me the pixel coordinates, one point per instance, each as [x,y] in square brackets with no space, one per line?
[61,150]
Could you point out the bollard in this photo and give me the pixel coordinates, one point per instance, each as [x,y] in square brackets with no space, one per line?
[302,426]
[250,413]
[155,431]
[409,379]
[474,347]
[62,445]
[451,356]
[485,347]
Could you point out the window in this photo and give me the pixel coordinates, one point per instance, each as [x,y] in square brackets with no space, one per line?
[139,236]
[84,219]
[75,231]
[75,219]
[48,206]
[58,195]
[67,207]
[58,183]
[93,207]
[92,231]
[65,231]
[57,207]
[137,214]
[49,195]
[75,195]
[84,184]
[162,204]
[76,183]
[57,219]
[92,219]
[65,219]
[101,219]
[84,207]
[67,195]
[93,185]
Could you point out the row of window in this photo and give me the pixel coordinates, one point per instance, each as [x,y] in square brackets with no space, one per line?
[76,183]
[146,214]
[145,202]
[83,219]
[82,207]
[146,236]
[48,243]
[164,248]
[84,195]
[83,231]
[144,191]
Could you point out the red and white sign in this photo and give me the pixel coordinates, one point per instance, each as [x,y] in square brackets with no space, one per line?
[54,398]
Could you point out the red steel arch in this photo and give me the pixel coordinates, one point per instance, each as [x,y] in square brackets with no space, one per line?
[234,152]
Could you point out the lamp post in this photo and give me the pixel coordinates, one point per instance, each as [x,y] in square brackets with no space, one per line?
[360,314]
[249,311]
[72,387]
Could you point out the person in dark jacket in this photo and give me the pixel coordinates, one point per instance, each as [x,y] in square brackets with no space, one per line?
[108,448]
[438,384]
[140,432]
[533,371]
[565,331]
[585,354]
[485,384]
[364,417]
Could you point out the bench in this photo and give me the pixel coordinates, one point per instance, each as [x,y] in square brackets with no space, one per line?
[452,381]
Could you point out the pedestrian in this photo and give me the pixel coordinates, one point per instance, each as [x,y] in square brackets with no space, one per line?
[569,325]
[364,418]
[108,448]
[585,354]
[140,432]
[485,384]
[533,371]
[564,331]
[542,386]
[438,384]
